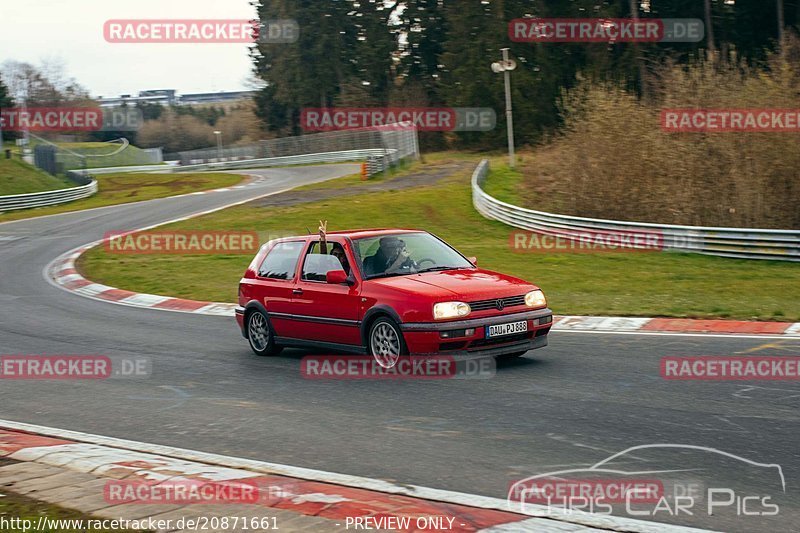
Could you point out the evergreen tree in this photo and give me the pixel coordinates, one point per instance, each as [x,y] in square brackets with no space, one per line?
[5,98]
[439,52]
[6,102]
[421,33]
[311,71]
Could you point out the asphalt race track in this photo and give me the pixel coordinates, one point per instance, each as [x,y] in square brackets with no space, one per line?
[570,405]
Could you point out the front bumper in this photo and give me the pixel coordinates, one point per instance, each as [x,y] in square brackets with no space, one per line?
[240,320]
[426,337]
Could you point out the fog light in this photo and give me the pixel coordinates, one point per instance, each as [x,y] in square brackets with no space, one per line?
[455,333]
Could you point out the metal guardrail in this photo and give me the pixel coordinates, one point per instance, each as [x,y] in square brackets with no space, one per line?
[305,159]
[743,243]
[112,170]
[42,199]
[403,139]
[381,158]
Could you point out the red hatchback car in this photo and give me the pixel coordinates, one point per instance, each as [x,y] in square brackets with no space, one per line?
[386,293]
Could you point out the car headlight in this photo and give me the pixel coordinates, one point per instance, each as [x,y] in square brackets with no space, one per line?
[450,310]
[535,299]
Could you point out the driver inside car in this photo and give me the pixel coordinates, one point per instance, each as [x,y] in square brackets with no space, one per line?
[391,257]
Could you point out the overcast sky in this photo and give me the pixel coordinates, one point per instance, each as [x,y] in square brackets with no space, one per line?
[72,31]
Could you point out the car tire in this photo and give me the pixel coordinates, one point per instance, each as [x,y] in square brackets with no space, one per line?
[260,334]
[509,356]
[385,342]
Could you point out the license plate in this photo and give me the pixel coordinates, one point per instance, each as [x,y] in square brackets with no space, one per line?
[506,329]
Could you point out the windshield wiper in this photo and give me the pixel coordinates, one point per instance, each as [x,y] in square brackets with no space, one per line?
[437,269]
[389,275]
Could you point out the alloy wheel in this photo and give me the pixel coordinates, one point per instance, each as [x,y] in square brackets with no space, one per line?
[258,331]
[385,345]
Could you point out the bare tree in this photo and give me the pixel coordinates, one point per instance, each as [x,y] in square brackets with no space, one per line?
[46,85]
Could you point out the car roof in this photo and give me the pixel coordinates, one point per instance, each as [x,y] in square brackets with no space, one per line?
[359,233]
[366,233]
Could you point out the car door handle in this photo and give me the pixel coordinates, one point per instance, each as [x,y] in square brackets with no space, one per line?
[297,291]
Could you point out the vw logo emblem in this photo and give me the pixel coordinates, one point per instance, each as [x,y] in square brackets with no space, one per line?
[500,305]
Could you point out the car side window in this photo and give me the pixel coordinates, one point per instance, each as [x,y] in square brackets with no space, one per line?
[281,261]
[317,266]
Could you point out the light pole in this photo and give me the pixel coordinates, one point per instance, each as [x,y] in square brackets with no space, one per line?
[26,134]
[506,66]
[219,145]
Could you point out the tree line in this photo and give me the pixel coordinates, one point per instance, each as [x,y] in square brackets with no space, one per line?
[439,52]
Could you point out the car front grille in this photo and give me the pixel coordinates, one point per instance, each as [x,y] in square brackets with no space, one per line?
[495,303]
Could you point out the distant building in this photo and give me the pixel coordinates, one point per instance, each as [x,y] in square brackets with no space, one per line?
[167,94]
[169,97]
[213,98]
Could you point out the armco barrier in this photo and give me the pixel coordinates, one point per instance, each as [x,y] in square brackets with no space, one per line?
[783,245]
[305,159]
[42,199]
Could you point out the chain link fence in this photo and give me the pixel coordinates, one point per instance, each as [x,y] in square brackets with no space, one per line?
[60,158]
[389,144]
[102,157]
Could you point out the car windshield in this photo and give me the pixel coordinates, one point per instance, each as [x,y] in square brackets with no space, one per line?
[406,253]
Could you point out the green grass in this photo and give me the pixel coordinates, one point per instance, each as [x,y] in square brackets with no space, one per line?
[130,156]
[124,188]
[354,180]
[18,177]
[401,169]
[643,284]
[503,183]
[14,506]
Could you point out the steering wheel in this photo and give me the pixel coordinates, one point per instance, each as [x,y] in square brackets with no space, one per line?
[425,260]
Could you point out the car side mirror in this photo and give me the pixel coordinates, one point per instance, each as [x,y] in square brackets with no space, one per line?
[336,277]
[473,260]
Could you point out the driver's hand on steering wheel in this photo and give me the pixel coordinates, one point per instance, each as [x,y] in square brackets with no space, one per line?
[407,261]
